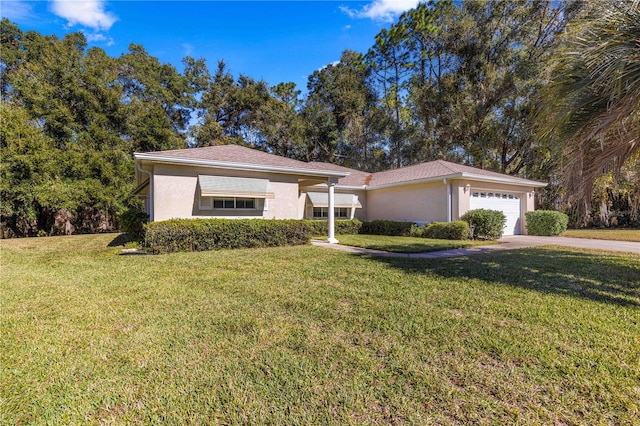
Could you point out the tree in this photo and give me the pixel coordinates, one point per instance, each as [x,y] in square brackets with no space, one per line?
[157,100]
[280,123]
[591,105]
[341,114]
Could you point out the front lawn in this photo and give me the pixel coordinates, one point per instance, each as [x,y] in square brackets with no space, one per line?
[305,335]
[604,234]
[405,244]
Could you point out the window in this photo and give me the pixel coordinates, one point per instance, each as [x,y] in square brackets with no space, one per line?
[245,203]
[210,203]
[323,212]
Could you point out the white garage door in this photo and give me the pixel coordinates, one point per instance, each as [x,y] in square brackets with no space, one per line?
[509,204]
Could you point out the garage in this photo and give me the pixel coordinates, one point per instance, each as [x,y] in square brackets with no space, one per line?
[509,204]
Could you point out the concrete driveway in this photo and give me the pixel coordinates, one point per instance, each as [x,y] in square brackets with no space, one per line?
[505,243]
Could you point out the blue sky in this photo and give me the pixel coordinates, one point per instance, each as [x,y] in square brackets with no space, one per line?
[275,41]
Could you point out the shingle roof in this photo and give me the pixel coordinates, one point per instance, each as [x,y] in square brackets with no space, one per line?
[233,154]
[434,169]
[355,178]
[417,172]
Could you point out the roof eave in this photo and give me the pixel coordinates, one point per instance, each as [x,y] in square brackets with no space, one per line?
[416,181]
[236,166]
[338,186]
[463,175]
[506,180]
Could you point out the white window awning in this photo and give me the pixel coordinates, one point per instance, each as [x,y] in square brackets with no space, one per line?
[227,186]
[321,199]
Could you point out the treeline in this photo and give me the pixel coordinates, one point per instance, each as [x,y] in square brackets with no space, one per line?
[447,81]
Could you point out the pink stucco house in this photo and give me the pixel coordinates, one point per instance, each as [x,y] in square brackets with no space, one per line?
[232,181]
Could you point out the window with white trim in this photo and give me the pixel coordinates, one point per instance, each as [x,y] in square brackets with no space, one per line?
[323,212]
[228,203]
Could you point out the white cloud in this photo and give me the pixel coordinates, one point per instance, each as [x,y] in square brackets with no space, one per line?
[17,10]
[97,37]
[89,13]
[381,10]
[330,64]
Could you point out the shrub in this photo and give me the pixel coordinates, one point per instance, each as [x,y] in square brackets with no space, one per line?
[321,227]
[211,234]
[458,230]
[485,224]
[416,230]
[546,222]
[386,227]
[132,222]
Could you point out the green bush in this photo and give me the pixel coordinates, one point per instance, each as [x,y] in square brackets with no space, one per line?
[458,230]
[485,224]
[132,222]
[321,227]
[416,230]
[386,227]
[212,234]
[546,222]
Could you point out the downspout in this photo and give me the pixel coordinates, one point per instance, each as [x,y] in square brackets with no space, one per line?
[448,199]
[141,170]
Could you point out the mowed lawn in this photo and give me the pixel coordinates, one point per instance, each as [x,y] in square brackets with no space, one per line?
[306,335]
[406,244]
[604,234]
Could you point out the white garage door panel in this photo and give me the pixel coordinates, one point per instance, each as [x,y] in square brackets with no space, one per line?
[509,204]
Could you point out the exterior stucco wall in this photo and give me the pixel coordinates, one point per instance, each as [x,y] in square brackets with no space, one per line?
[421,203]
[176,194]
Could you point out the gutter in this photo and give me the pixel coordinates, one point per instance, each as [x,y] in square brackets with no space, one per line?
[462,175]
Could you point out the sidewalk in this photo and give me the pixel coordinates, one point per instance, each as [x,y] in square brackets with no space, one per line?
[506,243]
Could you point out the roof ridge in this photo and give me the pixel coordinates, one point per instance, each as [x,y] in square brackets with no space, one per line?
[448,164]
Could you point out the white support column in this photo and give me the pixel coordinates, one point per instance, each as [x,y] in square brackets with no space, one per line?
[448,200]
[353,206]
[331,213]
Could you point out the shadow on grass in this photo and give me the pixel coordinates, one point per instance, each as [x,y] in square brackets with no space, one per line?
[120,240]
[603,278]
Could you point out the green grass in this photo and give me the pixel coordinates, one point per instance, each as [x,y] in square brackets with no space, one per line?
[305,335]
[604,234]
[405,244]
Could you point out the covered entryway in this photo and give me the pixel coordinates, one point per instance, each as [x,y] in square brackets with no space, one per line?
[345,205]
[509,204]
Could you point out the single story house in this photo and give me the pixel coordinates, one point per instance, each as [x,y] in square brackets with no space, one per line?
[231,181]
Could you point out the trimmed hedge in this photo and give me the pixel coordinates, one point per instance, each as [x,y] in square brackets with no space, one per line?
[321,227]
[132,221]
[386,227]
[546,222]
[458,230]
[485,224]
[212,234]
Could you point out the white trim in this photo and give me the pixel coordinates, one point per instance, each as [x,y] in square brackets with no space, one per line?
[331,213]
[257,203]
[507,180]
[236,166]
[345,187]
[448,200]
[470,176]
